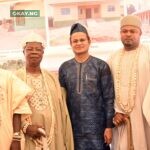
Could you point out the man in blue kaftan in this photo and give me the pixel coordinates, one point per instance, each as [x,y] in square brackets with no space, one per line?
[90,94]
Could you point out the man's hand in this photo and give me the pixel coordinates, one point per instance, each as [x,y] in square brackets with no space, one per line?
[16,144]
[108,135]
[33,131]
[119,119]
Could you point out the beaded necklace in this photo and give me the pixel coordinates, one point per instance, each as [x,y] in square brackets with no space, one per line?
[132,83]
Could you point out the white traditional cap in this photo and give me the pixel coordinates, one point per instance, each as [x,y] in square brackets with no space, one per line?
[33,37]
[131,20]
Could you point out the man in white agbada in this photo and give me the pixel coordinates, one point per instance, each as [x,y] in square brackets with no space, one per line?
[13,96]
[49,111]
[131,72]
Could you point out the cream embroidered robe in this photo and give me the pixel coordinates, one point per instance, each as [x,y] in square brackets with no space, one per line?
[13,94]
[140,128]
[60,130]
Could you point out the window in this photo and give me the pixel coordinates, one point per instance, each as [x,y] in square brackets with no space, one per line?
[65,11]
[111,8]
[20,21]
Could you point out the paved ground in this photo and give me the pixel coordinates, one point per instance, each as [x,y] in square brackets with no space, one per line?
[99,31]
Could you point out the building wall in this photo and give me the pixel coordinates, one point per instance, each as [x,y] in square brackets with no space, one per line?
[34,5]
[85,10]
[89,11]
[62,20]
[108,14]
[30,22]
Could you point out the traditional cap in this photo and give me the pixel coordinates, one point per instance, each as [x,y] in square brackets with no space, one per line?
[131,20]
[77,27]
[33,37]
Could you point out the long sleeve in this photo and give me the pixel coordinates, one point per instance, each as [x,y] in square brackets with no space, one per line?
[108,94]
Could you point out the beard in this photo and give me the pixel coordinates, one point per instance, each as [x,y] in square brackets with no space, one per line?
[128,44]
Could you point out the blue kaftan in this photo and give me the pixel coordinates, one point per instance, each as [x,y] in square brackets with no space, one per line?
[90,100]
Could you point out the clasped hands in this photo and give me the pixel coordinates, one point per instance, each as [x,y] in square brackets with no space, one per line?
[120,119]
[35,131]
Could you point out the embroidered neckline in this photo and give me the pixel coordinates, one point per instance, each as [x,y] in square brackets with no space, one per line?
[39,99]
[49,98]
[132,83]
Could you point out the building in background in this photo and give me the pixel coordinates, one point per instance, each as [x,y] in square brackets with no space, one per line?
[101,17]
[69,11]
[13,29]
[21,23]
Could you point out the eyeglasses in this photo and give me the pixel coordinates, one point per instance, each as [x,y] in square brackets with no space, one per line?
[78,40]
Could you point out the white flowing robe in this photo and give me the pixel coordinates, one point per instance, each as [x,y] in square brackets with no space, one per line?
[140,128]
[13,98]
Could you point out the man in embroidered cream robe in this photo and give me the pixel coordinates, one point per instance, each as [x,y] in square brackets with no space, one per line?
[13,96]
[131,72]
[49,111]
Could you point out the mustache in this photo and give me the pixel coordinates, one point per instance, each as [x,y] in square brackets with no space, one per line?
[34,55]
[128,39]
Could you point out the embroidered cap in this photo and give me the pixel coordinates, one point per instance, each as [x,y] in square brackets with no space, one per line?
[33,37]
[131,20]
[77,27]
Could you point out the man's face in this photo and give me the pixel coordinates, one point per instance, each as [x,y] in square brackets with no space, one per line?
[130,37]
[33,52]
[79,43]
